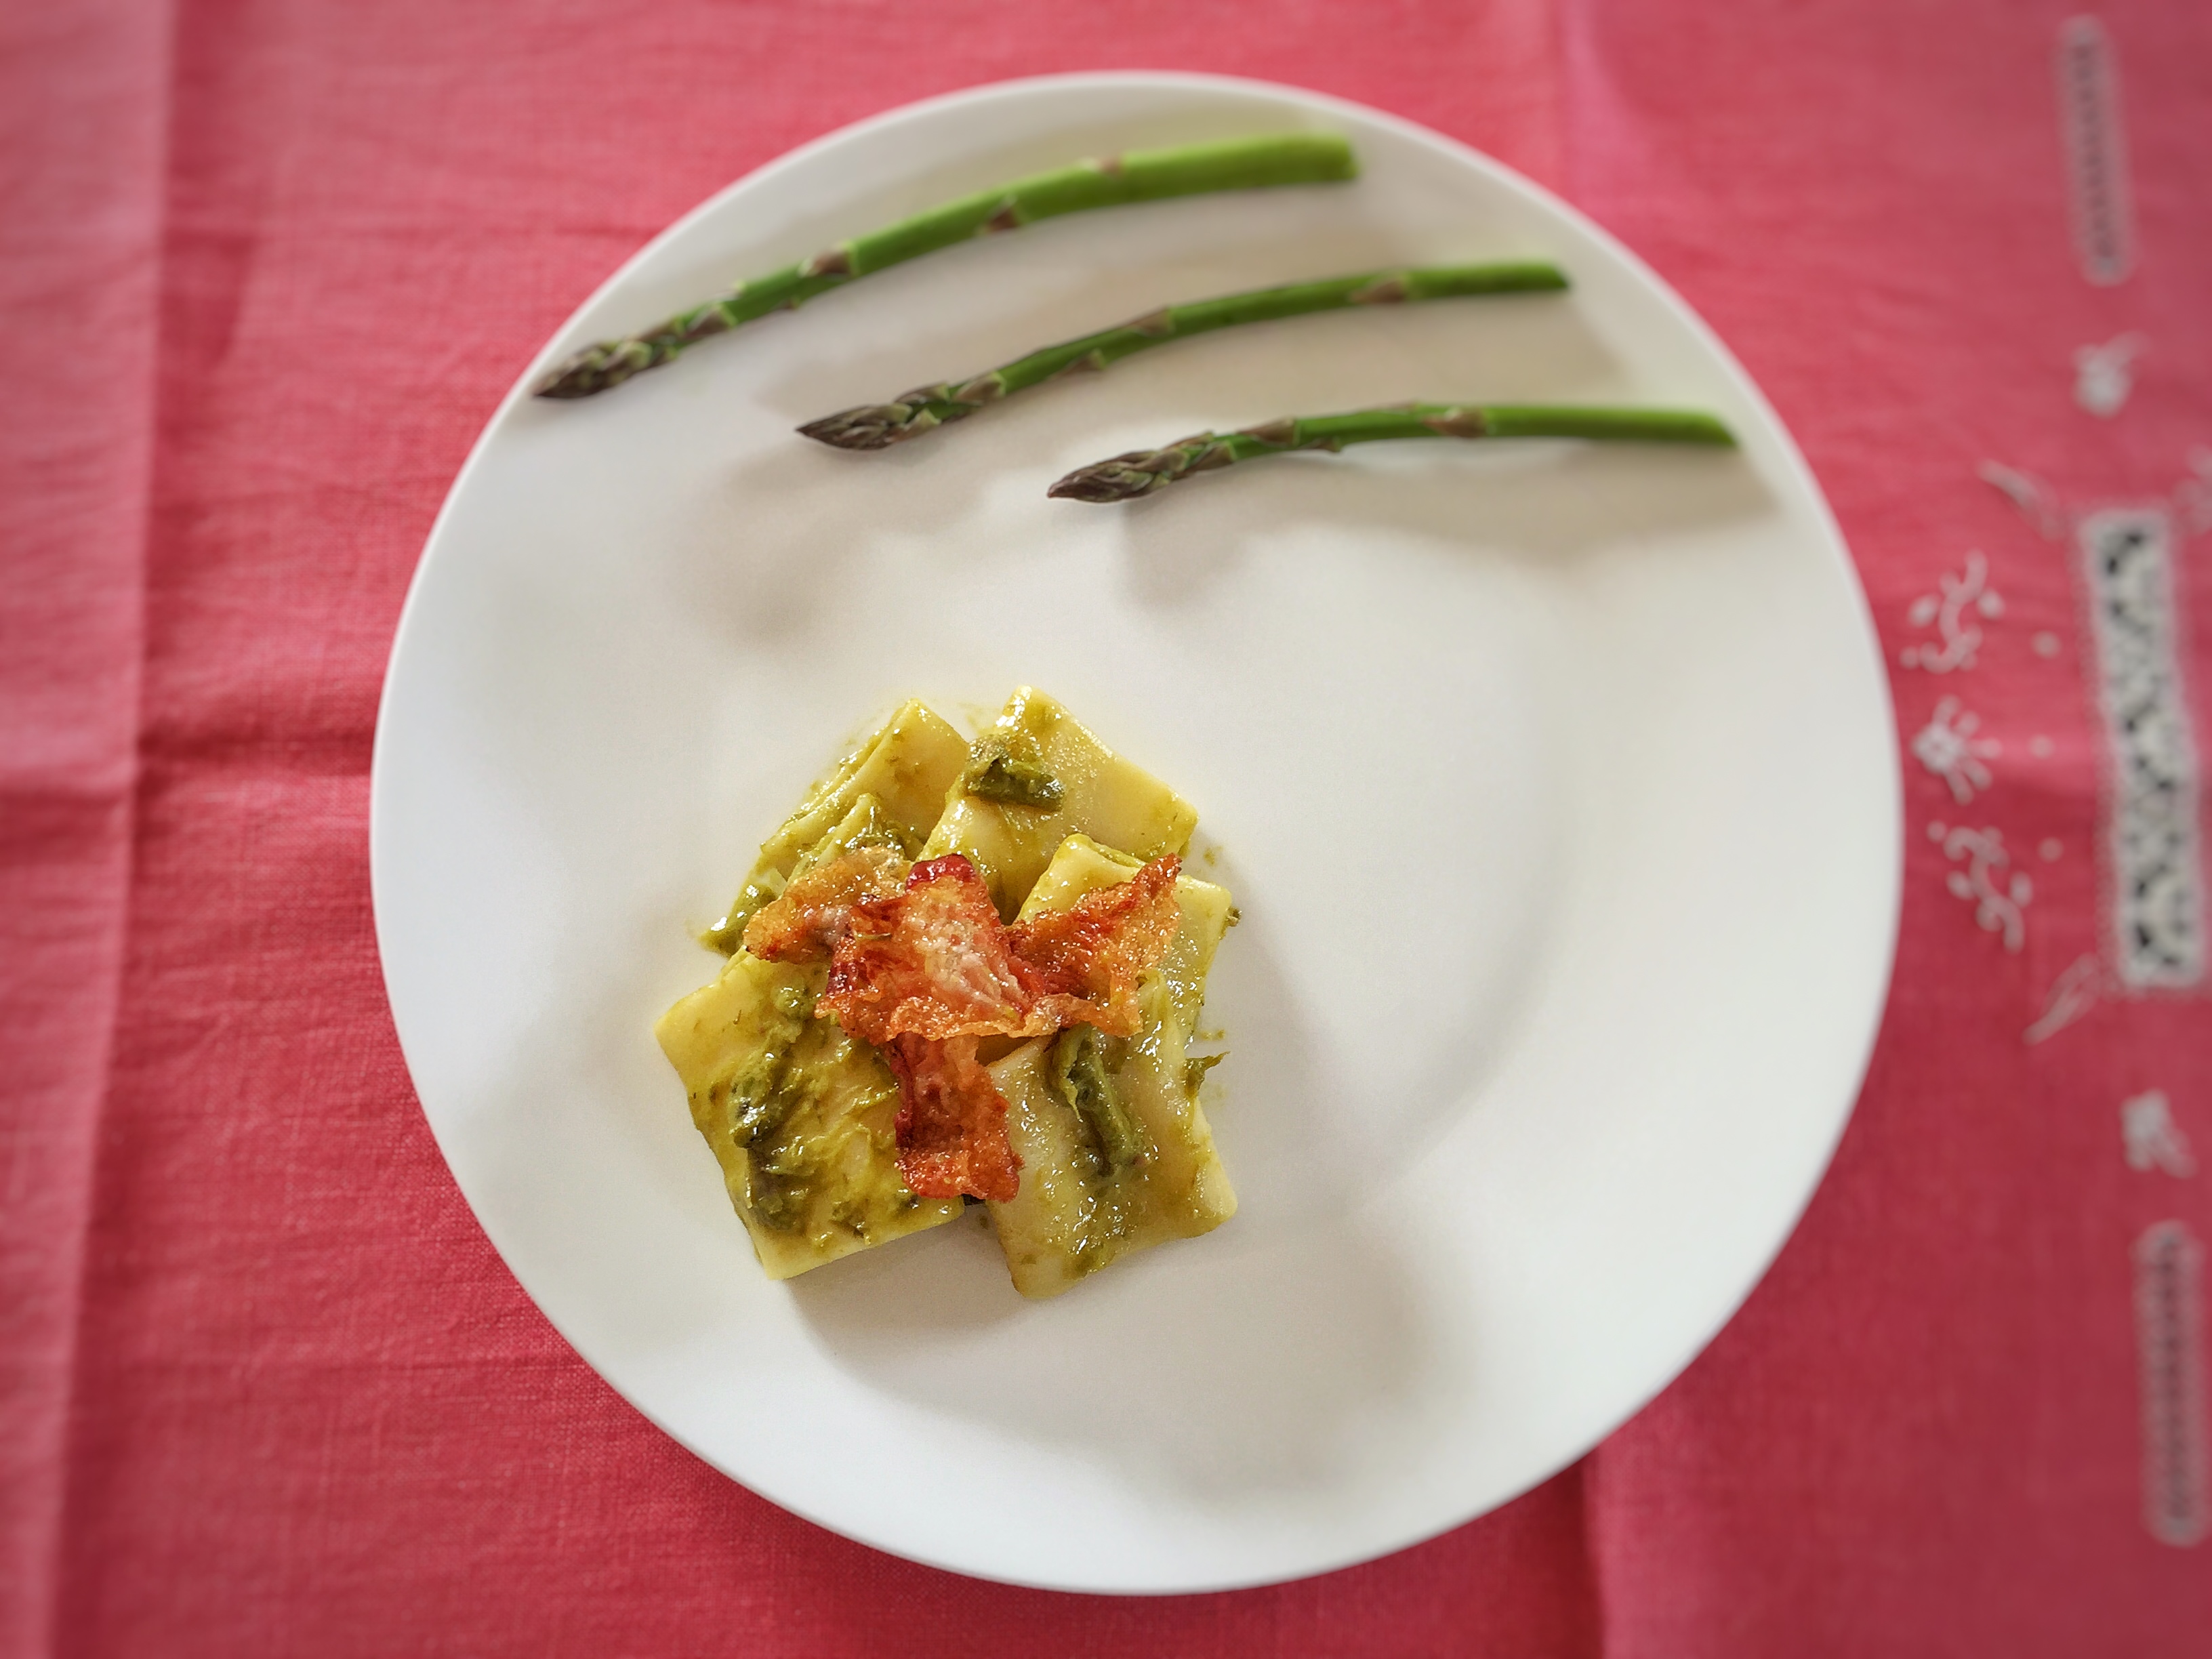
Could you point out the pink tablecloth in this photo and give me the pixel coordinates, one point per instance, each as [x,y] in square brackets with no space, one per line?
[268,266]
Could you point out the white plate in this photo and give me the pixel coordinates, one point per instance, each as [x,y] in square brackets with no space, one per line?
[1556,785]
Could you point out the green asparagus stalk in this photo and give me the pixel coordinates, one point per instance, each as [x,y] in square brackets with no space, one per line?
[878,425]
[1285,158]
[1140,471]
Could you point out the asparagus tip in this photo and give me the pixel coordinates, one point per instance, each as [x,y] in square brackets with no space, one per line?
[871,426]
[1121,479]
[571,380]
[589,372]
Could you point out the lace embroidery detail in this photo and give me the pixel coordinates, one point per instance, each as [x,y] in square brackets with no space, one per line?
[2157,900]
[2170,1352]
[1948,747]
[2154,1140]
[2072,996]
[2096,152]
[1952,608]
[1997,908]
[2104,374]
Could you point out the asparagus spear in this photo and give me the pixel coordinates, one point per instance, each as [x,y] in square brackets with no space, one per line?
[1125,477]
[878,426]
[1283,158]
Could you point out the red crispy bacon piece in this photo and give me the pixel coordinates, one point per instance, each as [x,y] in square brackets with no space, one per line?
[1084,962]
[925,969]
[951,1121]
[932,960]
[816,910]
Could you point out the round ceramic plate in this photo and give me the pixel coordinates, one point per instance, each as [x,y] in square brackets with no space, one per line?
[1556,783]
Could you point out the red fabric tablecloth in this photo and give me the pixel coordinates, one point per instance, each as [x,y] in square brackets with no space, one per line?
[268,264]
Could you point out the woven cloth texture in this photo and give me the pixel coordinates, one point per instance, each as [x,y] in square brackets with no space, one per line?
[268,265]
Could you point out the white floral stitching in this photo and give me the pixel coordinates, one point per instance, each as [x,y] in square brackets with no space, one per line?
[1996,909]
[2154,1140]
[2192,497]
[2038,502]
[1948,608]
[1948,747]
[2072,994]
[2104,374]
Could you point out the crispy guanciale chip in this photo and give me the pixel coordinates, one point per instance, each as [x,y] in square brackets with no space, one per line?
[1085,961]
[931,961]
[934,961]
[924,970]
[817,907]
[951,1121]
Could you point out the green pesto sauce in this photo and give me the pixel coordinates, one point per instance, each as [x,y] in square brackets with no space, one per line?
[998,772]
[1077,1067]
[726,935]
[1194,1071]
[764,1095]
[808,1162]
[1107,1198]
[870,823]
[1107,1216]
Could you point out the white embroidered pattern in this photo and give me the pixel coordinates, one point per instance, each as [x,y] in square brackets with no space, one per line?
[2104,374]
[2192,497]
[1952,608]
[2072,996]
[1997,908]
[2170,1353]
[2154,1140]
[1948,747]
[2096,151]
[2157,898]
[2041,505]
[2037,503]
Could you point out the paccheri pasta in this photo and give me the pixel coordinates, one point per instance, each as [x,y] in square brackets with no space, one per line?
[958,973]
